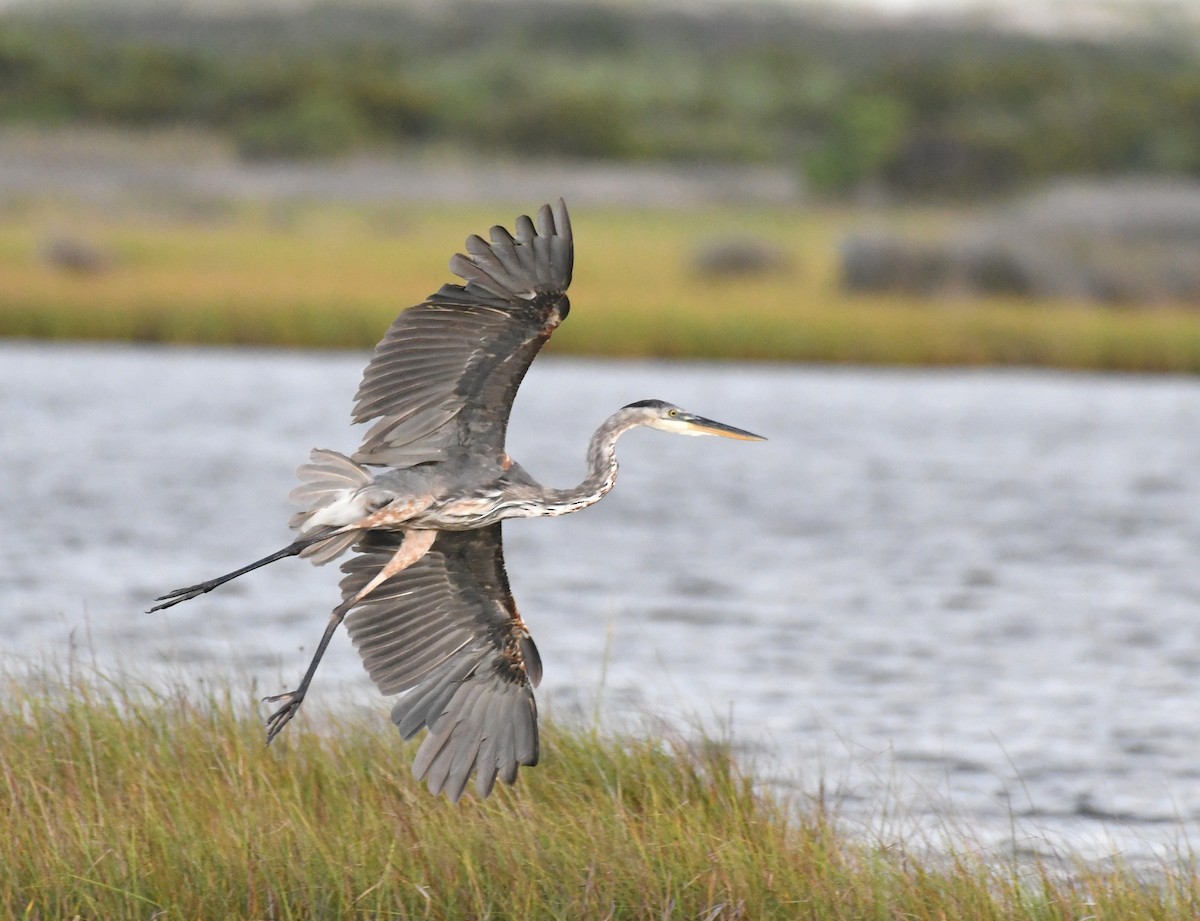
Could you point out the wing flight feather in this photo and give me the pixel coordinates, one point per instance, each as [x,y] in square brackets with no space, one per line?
[445,632]
[456,360]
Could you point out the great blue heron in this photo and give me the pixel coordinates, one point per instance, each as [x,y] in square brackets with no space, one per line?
[422,499]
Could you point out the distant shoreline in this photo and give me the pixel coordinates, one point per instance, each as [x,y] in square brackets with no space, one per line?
[102,165]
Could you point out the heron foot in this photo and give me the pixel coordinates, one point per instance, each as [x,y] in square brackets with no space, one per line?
[182,594]
[281,717]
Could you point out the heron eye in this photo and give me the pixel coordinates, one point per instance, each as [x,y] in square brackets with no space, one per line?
[673,412]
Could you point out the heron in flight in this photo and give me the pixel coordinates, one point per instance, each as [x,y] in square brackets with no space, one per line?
[426,599]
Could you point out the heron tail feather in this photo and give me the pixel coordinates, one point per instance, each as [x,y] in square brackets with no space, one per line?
[328,481]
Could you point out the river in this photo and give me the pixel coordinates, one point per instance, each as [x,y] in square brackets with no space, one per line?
[960,603]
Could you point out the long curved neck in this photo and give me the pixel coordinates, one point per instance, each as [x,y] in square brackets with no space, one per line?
[602,467]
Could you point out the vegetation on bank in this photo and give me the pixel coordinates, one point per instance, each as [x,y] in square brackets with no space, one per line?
[946,108]
[331,277]
[119,801]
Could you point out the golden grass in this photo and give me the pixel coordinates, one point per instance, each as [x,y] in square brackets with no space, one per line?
[121,802]
[335,277]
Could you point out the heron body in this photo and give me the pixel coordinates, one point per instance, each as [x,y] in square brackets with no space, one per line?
[425,597]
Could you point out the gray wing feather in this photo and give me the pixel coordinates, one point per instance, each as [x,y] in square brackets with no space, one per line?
[486,766]
[454,763]
[447,370]
[446,634]
[504,248]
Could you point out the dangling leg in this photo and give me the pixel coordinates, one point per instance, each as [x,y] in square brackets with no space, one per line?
[390,517]
[185,594]
[416,544]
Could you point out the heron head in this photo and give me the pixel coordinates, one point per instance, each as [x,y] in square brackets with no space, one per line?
[667,417]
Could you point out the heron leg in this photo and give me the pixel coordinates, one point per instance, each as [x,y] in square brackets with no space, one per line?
[390,517]
[416,544]
[191,591]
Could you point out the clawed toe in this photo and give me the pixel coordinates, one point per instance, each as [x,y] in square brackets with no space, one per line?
[281,717]
[180,594]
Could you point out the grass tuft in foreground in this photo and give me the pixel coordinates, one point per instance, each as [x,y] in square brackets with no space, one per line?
[123,802]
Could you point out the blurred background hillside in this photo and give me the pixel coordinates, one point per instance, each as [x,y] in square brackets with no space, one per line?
[948,152]
[914,106]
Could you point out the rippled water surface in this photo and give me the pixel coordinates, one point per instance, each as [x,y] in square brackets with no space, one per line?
[952,598]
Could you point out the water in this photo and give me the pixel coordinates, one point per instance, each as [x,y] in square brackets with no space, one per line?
[958,601]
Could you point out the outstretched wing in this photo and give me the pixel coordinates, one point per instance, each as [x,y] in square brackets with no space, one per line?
[448,369]
[446,630]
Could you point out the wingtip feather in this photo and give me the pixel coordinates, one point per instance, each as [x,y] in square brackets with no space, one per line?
[483,724]
[538,259]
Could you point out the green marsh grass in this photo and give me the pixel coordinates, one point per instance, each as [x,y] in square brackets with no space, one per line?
[118,802]
[325,276]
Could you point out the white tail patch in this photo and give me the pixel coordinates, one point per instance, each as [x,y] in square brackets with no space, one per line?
[329,487]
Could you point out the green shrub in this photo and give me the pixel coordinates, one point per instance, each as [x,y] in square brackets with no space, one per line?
[313,126]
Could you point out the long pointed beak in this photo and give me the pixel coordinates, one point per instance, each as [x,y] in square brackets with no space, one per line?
[703,426]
